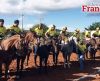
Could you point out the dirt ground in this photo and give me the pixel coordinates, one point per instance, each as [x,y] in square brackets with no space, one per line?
[59,73]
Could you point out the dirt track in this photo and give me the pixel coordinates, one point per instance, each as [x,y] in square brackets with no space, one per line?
[58,73]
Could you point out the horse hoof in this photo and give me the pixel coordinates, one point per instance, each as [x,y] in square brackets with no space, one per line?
[0,77]
[65,66]
[17,77]
[7,77]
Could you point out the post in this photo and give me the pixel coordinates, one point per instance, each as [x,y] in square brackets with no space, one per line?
[22,15]
[22,22]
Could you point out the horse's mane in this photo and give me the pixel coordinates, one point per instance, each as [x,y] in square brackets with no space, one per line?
[9,42]
[29,36]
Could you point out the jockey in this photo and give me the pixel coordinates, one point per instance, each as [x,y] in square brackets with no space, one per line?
[97,32]
[2,28]
[77,34]
[51,32]
[64,39]
[64,31]
[39,30]
[15,27]
[87,33]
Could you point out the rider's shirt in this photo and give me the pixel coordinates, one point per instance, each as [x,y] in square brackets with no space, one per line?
[39,32]
[16,29]
[2,30]
[65,40]
[82,47]
[87,33]
[51,32]
[96,33]
[63,32]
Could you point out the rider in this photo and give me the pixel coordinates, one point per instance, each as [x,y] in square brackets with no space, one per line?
[2,28]
[64,31]
[15,28]
[51,32]
[87,33]
[97,32]
[39,30]
[77,34]
[64,41]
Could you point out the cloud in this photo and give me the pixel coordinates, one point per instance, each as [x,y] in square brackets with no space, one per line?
[93,2]
[37,6]
[28,26]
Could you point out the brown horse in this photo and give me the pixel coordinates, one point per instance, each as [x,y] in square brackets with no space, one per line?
[92,48]
[29,39]
[7,52]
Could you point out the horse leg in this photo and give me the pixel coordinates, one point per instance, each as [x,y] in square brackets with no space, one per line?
[86,54]
[35,55]
[45,61]
[65,59]
[40,67]
[18,65]
[0,69]
[27,57]
[56,58]
[22,64]
[68,61]
[6,71]
[35,59]
[94,53]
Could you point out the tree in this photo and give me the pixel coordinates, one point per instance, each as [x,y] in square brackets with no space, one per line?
[94,26]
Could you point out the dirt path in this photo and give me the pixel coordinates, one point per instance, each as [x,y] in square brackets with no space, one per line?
[59,73]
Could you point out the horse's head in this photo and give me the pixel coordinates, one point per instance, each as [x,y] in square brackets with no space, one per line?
[22,34]
[93,41]
[42,41]
[73,44]
[29,36]
[10,43]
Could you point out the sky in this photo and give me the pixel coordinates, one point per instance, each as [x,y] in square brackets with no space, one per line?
[59,12]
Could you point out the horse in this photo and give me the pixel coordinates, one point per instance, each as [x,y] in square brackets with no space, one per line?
[91,48]
[43,53]
[55,48]
[7,52]
[18,46]
[29,39]
[24,52]
[73,46]
[67,50]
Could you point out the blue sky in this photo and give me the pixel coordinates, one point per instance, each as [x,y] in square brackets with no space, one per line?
[63,16]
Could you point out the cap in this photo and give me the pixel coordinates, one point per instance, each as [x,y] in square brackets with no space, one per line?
[77,30]
[1,20]
[97,28]
[16,21]
[51,26]
[65,28]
